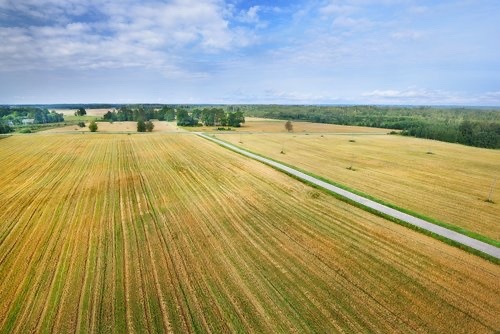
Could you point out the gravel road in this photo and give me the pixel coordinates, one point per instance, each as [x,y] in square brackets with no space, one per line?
[442,231]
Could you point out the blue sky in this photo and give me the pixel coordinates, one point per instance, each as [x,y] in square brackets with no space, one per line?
[231,51]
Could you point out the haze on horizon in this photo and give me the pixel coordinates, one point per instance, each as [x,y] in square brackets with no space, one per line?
[231,51]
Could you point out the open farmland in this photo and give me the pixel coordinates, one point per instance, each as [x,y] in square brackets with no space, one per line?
[444,181]
[169,232]
[116,127]
[255,124]
[90,111]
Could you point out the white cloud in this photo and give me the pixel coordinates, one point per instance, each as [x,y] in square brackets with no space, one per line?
[251,15]
[349,22]
[278,96]
[414,95]
[418,9]
[407,35]
[334,8]
[129,33]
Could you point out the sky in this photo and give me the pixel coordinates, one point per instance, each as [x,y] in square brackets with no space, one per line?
[250,52]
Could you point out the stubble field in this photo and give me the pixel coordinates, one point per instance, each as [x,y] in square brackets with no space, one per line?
[448,182]
[265,125]
[116,127]
[169,232]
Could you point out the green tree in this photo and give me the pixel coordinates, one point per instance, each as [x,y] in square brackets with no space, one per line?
[149,126]
[81,112]
[93,126]
[184,119]
[235,118]
[170,114]
[141,126]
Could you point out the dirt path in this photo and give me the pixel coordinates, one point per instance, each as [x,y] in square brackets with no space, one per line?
[441,231]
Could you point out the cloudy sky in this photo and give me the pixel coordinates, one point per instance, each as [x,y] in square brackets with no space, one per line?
[231,51]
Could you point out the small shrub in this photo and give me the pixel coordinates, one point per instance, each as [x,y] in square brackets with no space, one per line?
[149,126]
[141,126]
[81,124]
[25,131]
[93,126]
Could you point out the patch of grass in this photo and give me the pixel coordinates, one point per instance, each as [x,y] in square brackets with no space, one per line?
[76,119]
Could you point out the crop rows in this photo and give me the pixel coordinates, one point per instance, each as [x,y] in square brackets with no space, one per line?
[448,182]
[115,233]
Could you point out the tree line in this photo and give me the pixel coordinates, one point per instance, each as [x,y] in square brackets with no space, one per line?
[469,126]
[210,117]
[131,113]
[13,116]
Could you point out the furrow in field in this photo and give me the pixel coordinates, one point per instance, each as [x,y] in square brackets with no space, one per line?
[165,233]
[451,184]
[39,231]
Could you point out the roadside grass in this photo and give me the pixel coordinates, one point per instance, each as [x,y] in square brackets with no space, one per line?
[448,187]
[409,212]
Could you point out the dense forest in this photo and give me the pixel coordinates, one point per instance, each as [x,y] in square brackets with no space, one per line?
[465,125]
[185,115]
[141,112]
[470,126]
[210,117]
[13,116]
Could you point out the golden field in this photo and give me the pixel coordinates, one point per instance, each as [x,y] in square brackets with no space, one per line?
[448,182]
[255,124]
[172,233]
[90,111]
[116,127]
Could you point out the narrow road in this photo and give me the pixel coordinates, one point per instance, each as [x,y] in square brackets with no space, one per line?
[442,231]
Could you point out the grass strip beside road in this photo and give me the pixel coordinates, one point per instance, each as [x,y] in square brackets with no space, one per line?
[453,228]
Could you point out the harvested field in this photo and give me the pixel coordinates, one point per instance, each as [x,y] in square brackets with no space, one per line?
[167,232]
[90,112]
[117,127]
[444,181]
[254,124]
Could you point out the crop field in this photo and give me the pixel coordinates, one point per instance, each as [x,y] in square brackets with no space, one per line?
[448,182]
[90,111]
[255,124]
[172,233]
[117,127]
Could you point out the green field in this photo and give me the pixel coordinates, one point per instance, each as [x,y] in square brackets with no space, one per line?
[170,232]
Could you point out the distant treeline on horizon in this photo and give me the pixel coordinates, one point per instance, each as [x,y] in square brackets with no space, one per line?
[473,126]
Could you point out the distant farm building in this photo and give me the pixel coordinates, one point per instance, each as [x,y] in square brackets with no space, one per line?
[27,121]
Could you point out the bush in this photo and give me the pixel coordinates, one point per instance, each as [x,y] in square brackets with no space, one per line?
[25,130]
[149,126]
[141,126]
[5,128]
[93,126]
[81,124]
